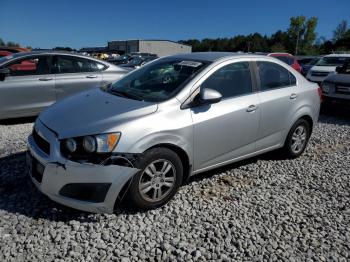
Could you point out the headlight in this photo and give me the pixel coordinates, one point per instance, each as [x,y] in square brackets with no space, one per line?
[71,145]
[107,142]
[103,143]
[326,87]
[89,144]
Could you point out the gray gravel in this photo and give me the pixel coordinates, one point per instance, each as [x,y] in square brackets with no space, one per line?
[263,209]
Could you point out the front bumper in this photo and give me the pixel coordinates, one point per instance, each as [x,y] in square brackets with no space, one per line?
[58,172]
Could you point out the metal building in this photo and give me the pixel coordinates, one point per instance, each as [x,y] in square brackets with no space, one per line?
[158,47]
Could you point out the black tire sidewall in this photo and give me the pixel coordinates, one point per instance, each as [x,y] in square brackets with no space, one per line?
[288,144]
[141,163]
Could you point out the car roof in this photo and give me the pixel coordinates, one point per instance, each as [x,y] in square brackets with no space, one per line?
[211,56]
[338,55]
[50,52]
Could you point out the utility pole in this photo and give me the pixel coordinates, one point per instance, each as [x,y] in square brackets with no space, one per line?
[296,46]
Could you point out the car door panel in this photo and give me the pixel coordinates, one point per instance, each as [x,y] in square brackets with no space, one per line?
[277,99]
[224,131]
[26,95]
[69,84]
[273,122]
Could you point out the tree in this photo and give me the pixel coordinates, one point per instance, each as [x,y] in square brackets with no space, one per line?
[340,30]
[2,43]
[301,34]
[12,44]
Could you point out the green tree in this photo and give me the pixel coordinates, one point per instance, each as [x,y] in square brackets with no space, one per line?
[302,34]
[340,31]
[12,44]
[2,43]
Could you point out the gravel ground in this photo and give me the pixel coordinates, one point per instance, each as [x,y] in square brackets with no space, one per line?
[263,209]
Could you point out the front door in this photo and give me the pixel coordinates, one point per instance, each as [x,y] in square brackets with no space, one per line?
[228,129]
[28,89]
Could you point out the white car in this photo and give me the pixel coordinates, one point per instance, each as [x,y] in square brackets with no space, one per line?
[325,66]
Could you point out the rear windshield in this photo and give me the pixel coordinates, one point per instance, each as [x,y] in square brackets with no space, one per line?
[332,61]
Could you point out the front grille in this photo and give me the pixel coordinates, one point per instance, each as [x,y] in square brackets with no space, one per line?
[41,143]
[319,73]
[342,90]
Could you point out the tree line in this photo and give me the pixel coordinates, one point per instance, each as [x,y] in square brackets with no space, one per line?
[300,38]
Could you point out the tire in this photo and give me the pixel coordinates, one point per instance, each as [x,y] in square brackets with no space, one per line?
[144,189]
[290,149]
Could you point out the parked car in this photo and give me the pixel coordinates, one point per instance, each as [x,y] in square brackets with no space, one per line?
[31,81]
[325,66]
[137,62]
[288,59]
[162,123]
[4,53]
[336,87]
[13,49]
[123,59]
[307,63]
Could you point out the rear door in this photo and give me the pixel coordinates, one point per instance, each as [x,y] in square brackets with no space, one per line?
[278,95]
[75,74]
[29,88]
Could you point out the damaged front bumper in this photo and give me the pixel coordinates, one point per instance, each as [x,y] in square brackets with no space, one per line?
[84,186]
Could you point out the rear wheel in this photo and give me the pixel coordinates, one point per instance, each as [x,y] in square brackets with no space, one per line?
[297,139]
[157,181]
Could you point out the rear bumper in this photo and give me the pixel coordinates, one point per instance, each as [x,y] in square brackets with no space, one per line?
[58,173]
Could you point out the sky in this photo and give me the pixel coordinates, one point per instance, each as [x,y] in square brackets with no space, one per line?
[78,23]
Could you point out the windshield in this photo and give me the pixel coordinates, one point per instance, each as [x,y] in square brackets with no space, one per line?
[157,81]
[332,61]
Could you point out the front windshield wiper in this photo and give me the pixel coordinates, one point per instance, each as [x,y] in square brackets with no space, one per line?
[124,94]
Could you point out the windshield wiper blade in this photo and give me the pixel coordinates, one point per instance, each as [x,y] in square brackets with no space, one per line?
[125,94]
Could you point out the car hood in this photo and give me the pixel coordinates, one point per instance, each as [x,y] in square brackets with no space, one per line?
[93,112]
[343,79]
[323,68]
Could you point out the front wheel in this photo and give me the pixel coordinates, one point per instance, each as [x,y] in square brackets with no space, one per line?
[297,139]
[157,181]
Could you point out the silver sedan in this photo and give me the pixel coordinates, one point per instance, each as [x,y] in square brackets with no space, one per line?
[31,81]
[173,118]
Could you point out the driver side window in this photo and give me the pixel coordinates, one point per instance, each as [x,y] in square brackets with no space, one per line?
[230,80]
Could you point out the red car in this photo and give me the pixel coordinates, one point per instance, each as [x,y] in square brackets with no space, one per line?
[4,53]
[288,59]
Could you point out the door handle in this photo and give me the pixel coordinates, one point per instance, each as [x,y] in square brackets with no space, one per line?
[91,76]
[252,108]
[293,96]
[45,79]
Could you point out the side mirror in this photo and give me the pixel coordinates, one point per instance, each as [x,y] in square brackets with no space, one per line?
[209,96]
[3,73]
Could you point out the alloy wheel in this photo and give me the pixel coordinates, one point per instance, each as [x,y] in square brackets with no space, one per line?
[157,180]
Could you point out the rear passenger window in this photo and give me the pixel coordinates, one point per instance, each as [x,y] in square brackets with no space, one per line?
[230,80]
[72,64]
[274,76]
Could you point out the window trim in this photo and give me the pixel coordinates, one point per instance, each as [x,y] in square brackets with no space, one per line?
[54,61]
[195,88]
[50,60]
[257,76]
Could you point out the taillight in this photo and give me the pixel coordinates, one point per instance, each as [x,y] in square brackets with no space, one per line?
[319,91]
